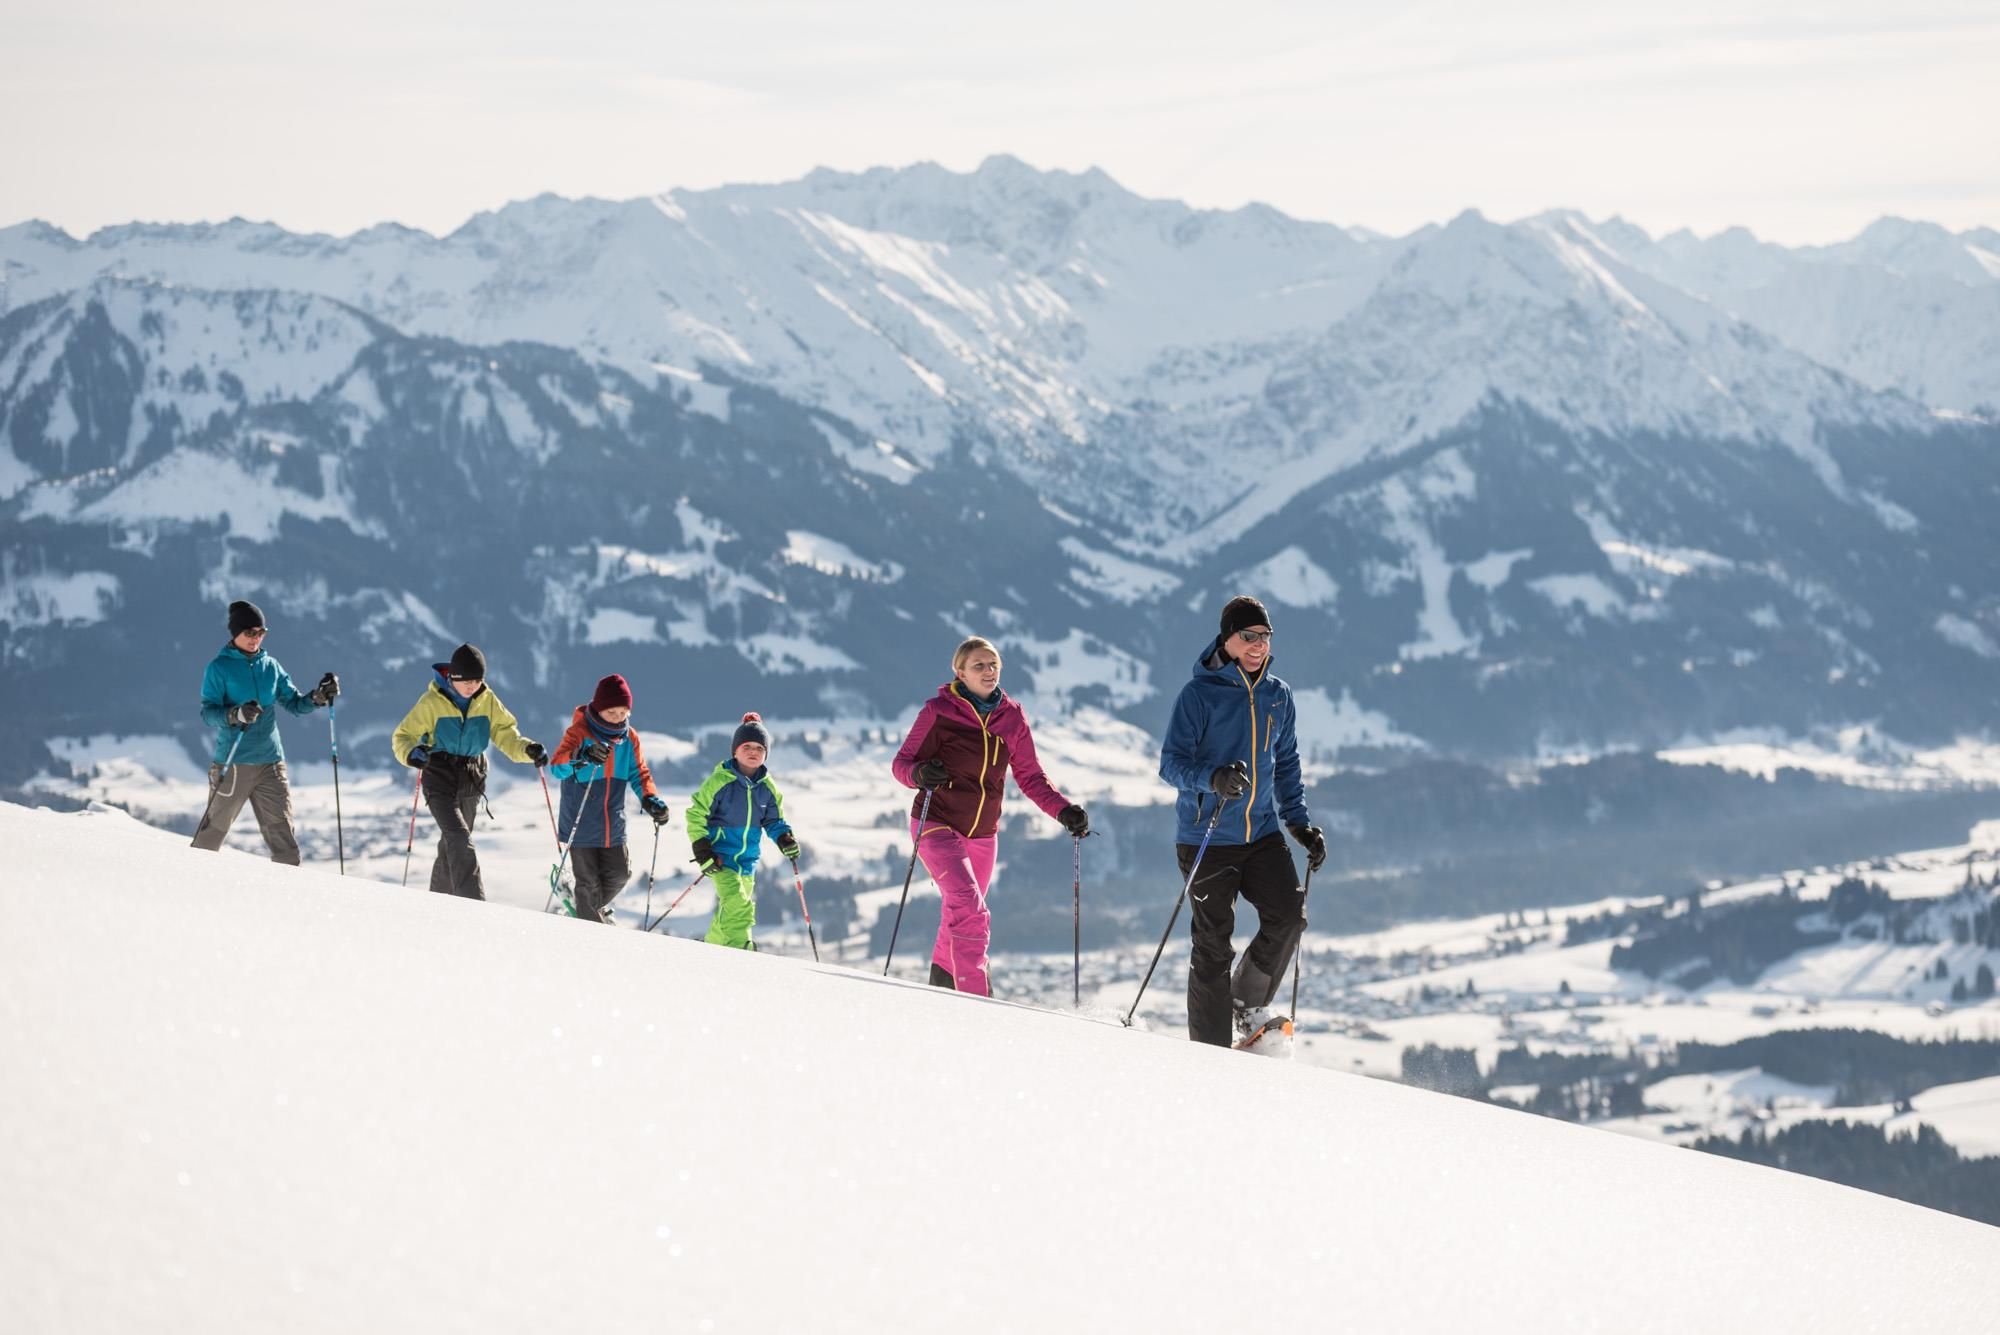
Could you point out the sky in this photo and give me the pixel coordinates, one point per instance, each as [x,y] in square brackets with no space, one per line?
[1803,122]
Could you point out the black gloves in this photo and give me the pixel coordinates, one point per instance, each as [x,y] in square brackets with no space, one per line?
[1313,842]
[932,774]
[1074,819]
[245,714]
[655,806]
[592,752]
[419,756]
[1232,781]
[704,852]
[788,844]
[327,691]
[536,755]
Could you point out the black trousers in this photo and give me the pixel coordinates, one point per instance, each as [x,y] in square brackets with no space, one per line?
[1262,873]
[453,786]
[600,874]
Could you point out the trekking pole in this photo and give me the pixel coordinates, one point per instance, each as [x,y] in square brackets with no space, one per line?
[922,816]
[811,936]
[647,916]
[555,834]
[339,834]
[216,786]
[1300,949]
[562,849]
[699,878]
[1220,804]
[413,828]
[1076,923]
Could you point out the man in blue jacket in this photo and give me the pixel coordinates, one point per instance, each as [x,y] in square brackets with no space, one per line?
[1232,751]
[239,696]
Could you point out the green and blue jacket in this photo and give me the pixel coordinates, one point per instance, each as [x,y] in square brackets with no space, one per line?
[732,809]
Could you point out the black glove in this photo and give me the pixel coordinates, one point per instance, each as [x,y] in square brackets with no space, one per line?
[788,844]
[245,714]
[536,755]
[704,852]
[1232,781]
[1075,819]
[327,691]
[419,756]
[655,806]
[1313,842]
[592,752]
[932,774]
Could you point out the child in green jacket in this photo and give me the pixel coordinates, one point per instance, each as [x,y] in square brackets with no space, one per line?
[726,818]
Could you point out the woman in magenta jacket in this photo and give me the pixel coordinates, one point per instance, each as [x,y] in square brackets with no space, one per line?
[959,750]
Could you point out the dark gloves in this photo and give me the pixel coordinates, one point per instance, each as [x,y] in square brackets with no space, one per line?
[592,752]
[1313,842]
[788,844]
[536,755]
[245,714]
[1232,781]
[1075,819]
[932,774]
[655,806]
[704,852]
[327,691]
[419,756]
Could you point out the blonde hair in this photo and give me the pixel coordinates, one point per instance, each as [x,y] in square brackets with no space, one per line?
[970,646]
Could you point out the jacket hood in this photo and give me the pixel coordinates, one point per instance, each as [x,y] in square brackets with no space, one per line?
[948,694]
[1213,663]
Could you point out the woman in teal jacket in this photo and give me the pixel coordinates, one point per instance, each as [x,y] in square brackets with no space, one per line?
[241,692]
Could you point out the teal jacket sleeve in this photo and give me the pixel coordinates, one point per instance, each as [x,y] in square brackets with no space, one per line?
[288,695]
[214,704]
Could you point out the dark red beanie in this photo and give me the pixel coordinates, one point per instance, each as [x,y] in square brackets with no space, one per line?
[612,693]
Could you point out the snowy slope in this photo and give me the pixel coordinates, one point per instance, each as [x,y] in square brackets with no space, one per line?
[246,1097]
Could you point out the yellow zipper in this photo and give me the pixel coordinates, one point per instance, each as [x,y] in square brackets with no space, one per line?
[1252,799]
[984,761]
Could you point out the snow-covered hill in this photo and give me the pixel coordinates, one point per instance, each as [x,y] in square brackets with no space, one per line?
[253,1097]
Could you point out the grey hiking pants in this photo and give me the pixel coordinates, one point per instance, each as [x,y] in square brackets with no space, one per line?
[269,794]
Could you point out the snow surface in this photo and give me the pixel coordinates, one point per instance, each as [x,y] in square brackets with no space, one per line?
[252,1097]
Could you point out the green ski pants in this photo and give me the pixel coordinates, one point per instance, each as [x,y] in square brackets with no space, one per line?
[735,909]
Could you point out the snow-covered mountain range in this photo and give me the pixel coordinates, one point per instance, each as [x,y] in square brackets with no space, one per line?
[1508,487]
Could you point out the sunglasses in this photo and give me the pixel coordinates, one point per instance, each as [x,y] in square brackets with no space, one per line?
[257,634]
[1254,636]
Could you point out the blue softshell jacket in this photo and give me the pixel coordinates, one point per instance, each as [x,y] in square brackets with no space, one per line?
[1225,715]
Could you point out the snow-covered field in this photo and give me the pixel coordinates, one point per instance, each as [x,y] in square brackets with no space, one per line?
[1359,1008]
[245,1097]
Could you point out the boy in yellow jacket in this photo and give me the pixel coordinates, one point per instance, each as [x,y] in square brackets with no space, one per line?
[446,736]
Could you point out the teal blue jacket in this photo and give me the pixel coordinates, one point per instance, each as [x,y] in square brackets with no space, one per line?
[235,678]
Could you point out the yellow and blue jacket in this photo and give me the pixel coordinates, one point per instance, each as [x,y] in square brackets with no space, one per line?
[442,721]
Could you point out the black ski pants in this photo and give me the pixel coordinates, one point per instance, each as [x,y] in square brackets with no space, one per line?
[453,786]
[600,874]
[1262,873]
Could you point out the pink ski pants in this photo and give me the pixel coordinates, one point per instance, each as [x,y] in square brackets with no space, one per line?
[962,868]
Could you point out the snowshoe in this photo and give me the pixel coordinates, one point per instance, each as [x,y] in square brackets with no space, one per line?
[564,891]
[1262,1031]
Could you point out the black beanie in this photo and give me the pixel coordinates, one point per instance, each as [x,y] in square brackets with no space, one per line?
[1241,613]
[751,729]
[244,616]
[467,664]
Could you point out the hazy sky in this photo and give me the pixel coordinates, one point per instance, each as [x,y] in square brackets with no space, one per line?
[1802,121]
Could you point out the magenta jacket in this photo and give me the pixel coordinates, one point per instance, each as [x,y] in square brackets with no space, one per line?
[978,753]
